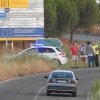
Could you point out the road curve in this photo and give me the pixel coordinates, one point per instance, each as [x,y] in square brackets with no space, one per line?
[33,87]
[84,37]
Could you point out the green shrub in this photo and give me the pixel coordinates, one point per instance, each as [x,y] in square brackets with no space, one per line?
[95,90]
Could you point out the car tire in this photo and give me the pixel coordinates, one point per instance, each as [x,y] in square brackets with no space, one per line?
[56,62]
[48,93]
[74,94]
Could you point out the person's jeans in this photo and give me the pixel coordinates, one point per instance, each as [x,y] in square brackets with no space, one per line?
[90,59]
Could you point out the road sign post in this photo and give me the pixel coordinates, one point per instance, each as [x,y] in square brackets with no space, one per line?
[6,45]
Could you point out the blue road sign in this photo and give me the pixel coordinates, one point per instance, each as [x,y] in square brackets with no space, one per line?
[22,22]
[21,32]
[2,15]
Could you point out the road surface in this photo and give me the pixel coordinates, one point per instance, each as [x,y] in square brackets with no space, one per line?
[34,87]
[84,37]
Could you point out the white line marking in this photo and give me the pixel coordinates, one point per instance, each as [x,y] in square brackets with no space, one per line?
[89,76]
[34,75]
[45,86]
[38,93]
[21,77]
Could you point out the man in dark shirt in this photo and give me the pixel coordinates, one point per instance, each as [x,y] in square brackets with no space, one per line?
[90,54]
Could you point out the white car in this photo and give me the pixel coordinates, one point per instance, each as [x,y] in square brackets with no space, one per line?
[53,53]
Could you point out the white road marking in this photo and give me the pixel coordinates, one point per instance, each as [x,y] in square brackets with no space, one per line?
[21,77]
[43,73]
[38,93]
[45,86]
[90,76]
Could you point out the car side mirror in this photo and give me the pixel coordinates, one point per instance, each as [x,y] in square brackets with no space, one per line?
[46,77]
[77,78]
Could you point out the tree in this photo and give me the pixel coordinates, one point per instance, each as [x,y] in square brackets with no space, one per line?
[88,13]
[74,20]
[61,15]
[91,14]
[64,13]
[50,18]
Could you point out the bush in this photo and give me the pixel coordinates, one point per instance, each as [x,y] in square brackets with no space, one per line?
[20,66]
[95,90]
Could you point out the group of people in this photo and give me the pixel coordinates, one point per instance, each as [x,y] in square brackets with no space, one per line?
[88,52]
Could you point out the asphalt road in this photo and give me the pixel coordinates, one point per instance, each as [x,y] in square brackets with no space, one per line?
[33,87]
[84,37]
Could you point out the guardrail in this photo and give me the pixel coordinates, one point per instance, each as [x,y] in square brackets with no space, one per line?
[88,96]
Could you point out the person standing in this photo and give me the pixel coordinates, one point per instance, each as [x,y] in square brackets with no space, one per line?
[89,51]
[96,47]
[83,56]
[74,53]
[93,43]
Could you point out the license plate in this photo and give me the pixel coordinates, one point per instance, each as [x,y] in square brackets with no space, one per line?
[62,81]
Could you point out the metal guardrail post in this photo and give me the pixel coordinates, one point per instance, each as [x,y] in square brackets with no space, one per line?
[88,97]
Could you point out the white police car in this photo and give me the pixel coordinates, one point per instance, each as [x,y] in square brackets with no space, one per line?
[53,53]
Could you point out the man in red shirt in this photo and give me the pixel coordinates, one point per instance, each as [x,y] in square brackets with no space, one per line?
[74,53]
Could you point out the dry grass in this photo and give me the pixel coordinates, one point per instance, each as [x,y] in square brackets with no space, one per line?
[95,30]
[65,41]
[17,68]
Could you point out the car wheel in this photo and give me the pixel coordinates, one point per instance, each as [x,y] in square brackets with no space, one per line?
[48,93]
[56,62]
[74,94]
